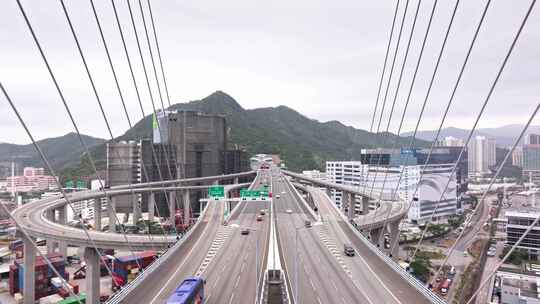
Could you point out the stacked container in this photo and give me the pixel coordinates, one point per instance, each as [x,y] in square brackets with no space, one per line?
[42,272]
[126,268]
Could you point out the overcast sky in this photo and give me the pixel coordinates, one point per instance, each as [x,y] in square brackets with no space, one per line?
[321,58]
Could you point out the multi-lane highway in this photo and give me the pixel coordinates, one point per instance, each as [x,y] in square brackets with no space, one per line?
[220,254]
[319,274]
[368,272]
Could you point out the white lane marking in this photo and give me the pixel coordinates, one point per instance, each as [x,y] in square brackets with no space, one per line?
[223,234]
[179,267]
[232,297]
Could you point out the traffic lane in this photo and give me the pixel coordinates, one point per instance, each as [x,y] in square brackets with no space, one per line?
[158,278]
[371,284]
[159,288]
[236,262]
[320,265]
[401,289]
[314,243]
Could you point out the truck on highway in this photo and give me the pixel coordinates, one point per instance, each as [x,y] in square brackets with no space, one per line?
[190,291]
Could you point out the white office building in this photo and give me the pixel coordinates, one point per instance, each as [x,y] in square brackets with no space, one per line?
[316,174]
[400,185]
[518,222]
[450,141]
[519,288]
[482,155]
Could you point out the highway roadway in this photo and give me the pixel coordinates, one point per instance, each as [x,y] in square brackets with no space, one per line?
[369,273]
[224,257]
[321,278]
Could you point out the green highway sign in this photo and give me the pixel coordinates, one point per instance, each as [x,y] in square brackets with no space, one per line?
[245,193]
[216,192]
[69,184]
[81,184]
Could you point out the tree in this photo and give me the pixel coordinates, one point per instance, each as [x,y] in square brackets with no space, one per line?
[421,267]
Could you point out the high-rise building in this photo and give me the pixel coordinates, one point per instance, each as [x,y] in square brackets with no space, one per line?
[33,179]
[199,139]
[532,139]
[482,155]
[234,161]
[517,157]
[450,141]
[531,162]
[431,187]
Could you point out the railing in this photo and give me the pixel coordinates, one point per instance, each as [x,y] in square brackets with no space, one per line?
[414,282]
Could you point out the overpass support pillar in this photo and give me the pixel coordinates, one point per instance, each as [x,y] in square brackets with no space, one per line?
[187,207]
[394,239]
[375,236]
[349,200]
[97,214]
[92,275]
[111,209]
[29,289]
[235,180]
[136,209]
[172,206]
[62,219]
[151,206]
[365,205]
[49,214]
[216,182]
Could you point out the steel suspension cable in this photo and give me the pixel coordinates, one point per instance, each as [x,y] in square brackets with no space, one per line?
[111,65]
[486,101]
[59,91]
[98,99]
[482,199]
[149,87]
[527,231]
[456,85]
[136,87]
[19,227]
[389,81]
[398,86]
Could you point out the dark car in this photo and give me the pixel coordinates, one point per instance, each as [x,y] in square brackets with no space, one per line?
[307,224]
[244,231]
[348,250]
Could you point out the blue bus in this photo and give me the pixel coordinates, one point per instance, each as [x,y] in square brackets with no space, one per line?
[191,291]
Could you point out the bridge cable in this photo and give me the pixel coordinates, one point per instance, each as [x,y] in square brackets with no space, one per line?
[57,86]
[398,86]
[482,201]
[383,72]
[159,127]
[159,90]
[111,65]
[405,108]
[488,97]
[389,80]
[137,92]
[464,64]
[384,66]
[149,90]
[20,227]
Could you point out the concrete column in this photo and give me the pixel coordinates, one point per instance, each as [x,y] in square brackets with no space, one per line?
[375,236]
[151,206]
[349,198]
[187,206]
[97,214]
[136,208]
[29,289]
[49,214]
[235,180]
[216,182]
[394,239]
[62,219]
[172,206]
[365,205]
[111,210]
[92,275]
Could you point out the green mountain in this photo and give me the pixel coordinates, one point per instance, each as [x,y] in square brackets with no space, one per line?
[302,142]
[62,152]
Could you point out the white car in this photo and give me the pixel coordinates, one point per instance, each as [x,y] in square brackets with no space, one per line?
[289,211]
[278,196]
[283,192]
